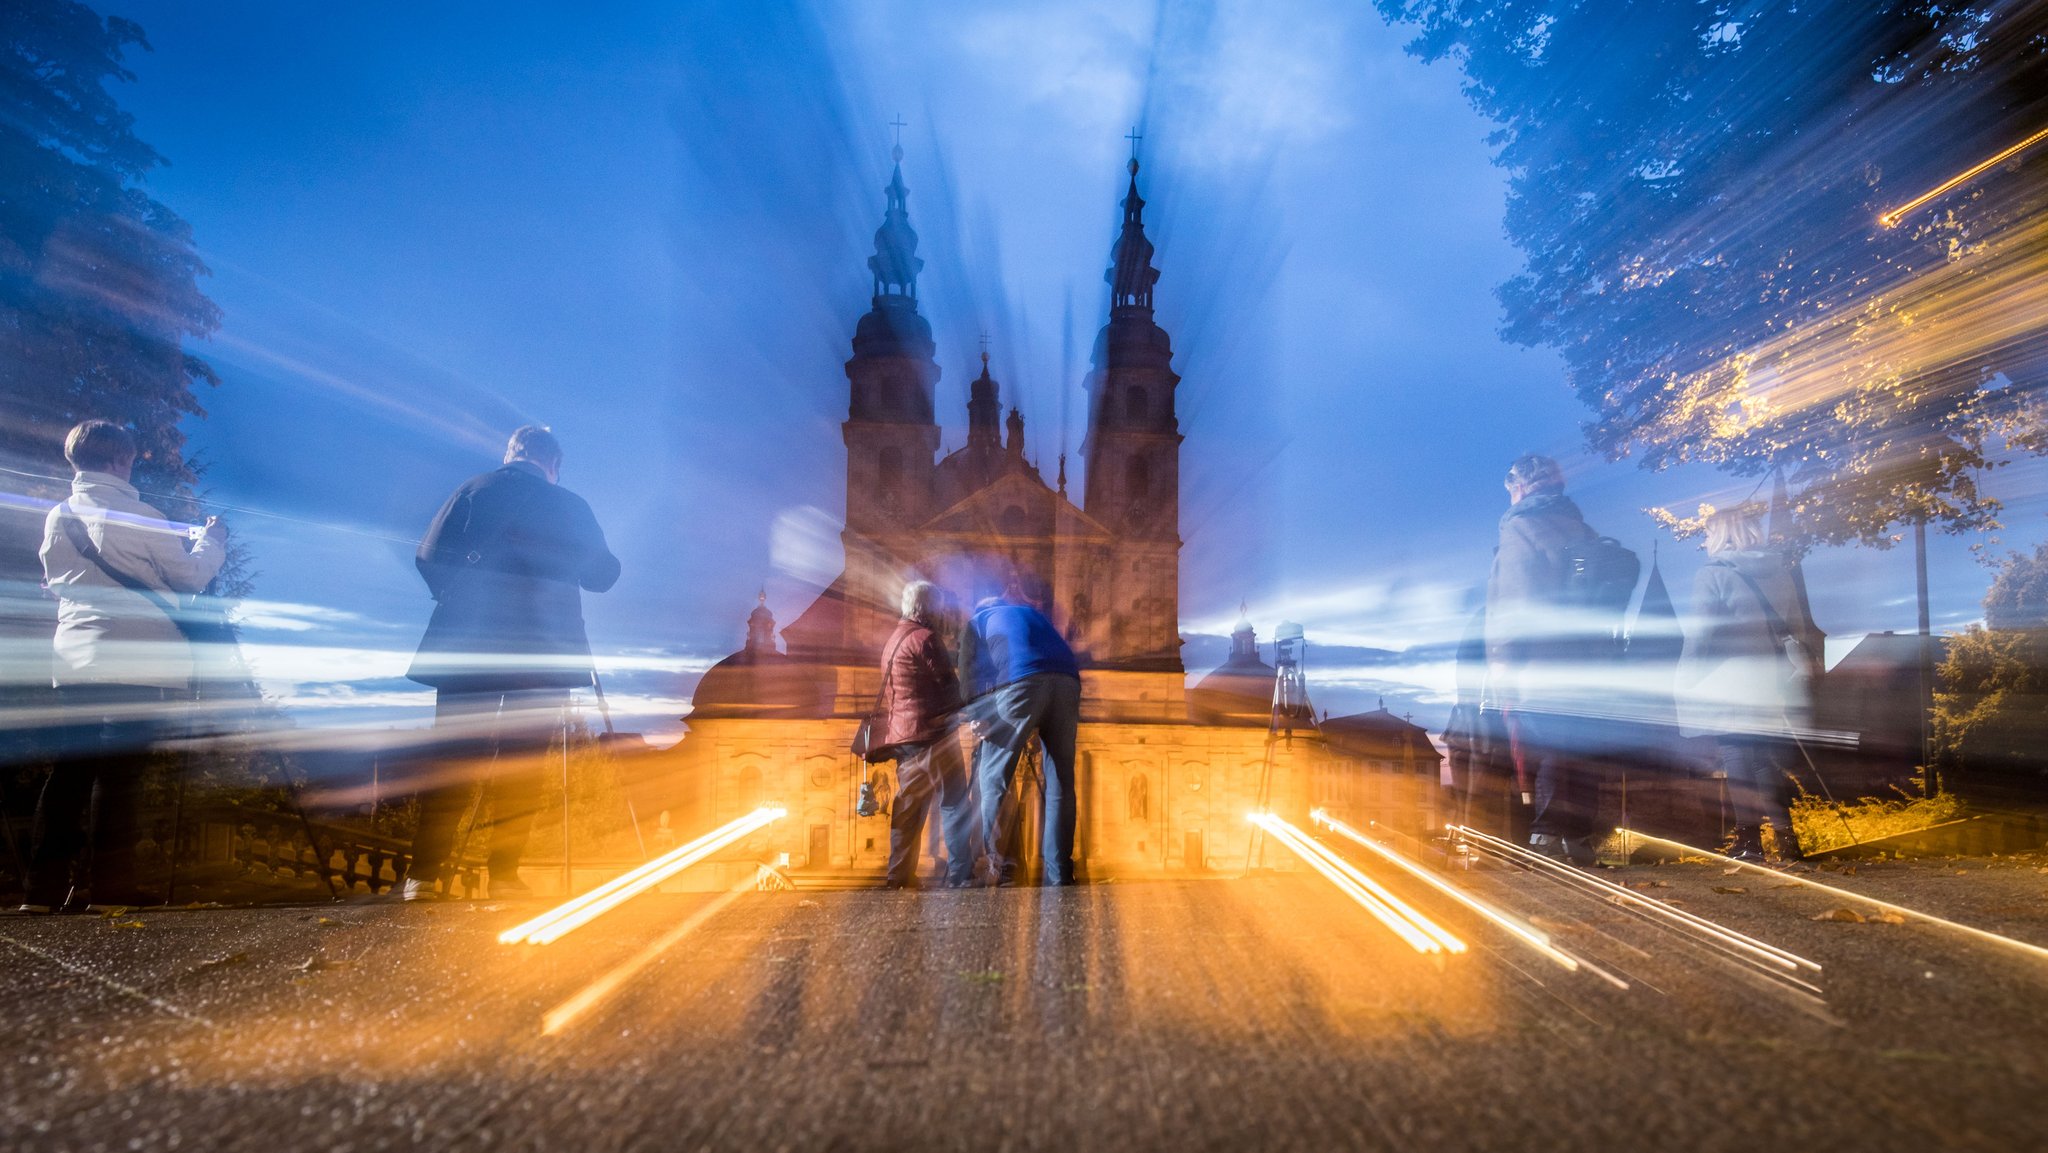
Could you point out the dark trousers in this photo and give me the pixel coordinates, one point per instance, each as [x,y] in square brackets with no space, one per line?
[502,738]
[923,772]
[94,795]
[1046,708]
[1550,761]
[1759,783]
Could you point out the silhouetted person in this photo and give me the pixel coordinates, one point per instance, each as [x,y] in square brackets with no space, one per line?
[1750,654]
[1475,739]
[506,558]
[1025,685]
[122,663]
[1531,641]
[915,711]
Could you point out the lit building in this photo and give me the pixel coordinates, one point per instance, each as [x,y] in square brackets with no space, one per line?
[1166,777]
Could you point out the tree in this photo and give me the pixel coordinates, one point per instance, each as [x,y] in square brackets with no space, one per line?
[1991,710]
[99,283]
[1696,188]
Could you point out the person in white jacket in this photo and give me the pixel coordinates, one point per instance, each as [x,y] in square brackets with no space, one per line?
[117,568]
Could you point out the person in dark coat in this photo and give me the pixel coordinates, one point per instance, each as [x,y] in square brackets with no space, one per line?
[915,710]
[1750,656]
[1024,684]
[506,558]
[1531,643]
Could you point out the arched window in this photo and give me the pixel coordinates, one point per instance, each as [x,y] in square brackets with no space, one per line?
[1134,404]
[1137,478]
[1139,798]
[749,789]
[889,470]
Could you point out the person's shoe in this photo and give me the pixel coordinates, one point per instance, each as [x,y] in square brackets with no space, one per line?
[893,883]
[31,910]
[1545,845]
[417,890]
[510,889]
[962,883]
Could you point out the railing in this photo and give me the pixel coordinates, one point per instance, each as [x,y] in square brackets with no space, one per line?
[284,846]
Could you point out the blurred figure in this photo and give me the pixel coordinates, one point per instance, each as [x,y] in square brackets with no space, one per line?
[506,558]
[1023,683]
[1745,673]
[1482,776]
[919,697]
[117,568]
[1530,640]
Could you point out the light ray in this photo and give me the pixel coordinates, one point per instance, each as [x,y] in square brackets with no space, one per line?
[1528,934]
[1421,933]
[580,911]
[594,994]
[2032,950]
[1891,219]
[1761,950]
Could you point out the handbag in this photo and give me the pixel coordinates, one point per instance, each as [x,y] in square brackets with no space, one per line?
[863,743]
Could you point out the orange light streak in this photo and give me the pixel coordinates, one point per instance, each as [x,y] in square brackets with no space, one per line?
[1421,933]
[590,996]
[1971,930]
[1762,950]
[580,911]
[1891,219]
[1528,934]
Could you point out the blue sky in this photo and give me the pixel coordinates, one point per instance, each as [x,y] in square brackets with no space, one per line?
[645,225]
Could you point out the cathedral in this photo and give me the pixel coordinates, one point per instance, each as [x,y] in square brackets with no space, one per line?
[1166,774]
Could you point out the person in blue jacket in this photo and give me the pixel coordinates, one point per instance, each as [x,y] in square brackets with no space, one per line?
[1022,683]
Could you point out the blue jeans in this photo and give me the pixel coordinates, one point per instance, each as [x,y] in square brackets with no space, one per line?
[923,772]
[1048,708]
[1759,787]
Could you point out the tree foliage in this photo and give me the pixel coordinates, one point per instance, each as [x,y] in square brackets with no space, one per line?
[1696,189]
[1991,709]
[99,282]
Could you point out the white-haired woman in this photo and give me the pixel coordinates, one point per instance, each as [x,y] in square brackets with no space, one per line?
[1749,658]
[914,717]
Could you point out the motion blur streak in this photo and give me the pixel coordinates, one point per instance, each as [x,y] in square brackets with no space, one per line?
[590,996]
[579,911]
[1891,219]
[1529,935]
[2035,951]
[1760,949]
[1422,934]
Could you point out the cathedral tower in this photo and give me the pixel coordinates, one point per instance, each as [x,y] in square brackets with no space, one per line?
[1132,450]
[891,436]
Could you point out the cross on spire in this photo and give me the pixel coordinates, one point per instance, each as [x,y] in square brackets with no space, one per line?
[1134,136]
[899,124]
[984,346]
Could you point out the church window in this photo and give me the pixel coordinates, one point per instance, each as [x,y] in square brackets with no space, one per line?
[1014,521]
[749,789]
[1138,478]
[1139,798]
[1134,404]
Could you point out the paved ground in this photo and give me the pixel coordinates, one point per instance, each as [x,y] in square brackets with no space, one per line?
[1253,1014]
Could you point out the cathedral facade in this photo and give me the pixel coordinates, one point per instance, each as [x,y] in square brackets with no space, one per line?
[1166,775]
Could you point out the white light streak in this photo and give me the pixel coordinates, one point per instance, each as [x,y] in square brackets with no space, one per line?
[579,911]
[1761,950]
[1421,933]
[2035,951]
[1528,934]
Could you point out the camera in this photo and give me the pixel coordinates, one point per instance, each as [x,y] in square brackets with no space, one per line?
[868,806]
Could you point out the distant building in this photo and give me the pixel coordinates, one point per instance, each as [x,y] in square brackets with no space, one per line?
[1872,703]
[1167,776]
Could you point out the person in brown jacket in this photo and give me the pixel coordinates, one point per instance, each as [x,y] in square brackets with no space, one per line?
[915,712]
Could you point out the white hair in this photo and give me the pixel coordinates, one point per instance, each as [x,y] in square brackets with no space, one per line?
[921,601]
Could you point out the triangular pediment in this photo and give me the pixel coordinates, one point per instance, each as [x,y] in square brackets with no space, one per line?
[1018,503]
